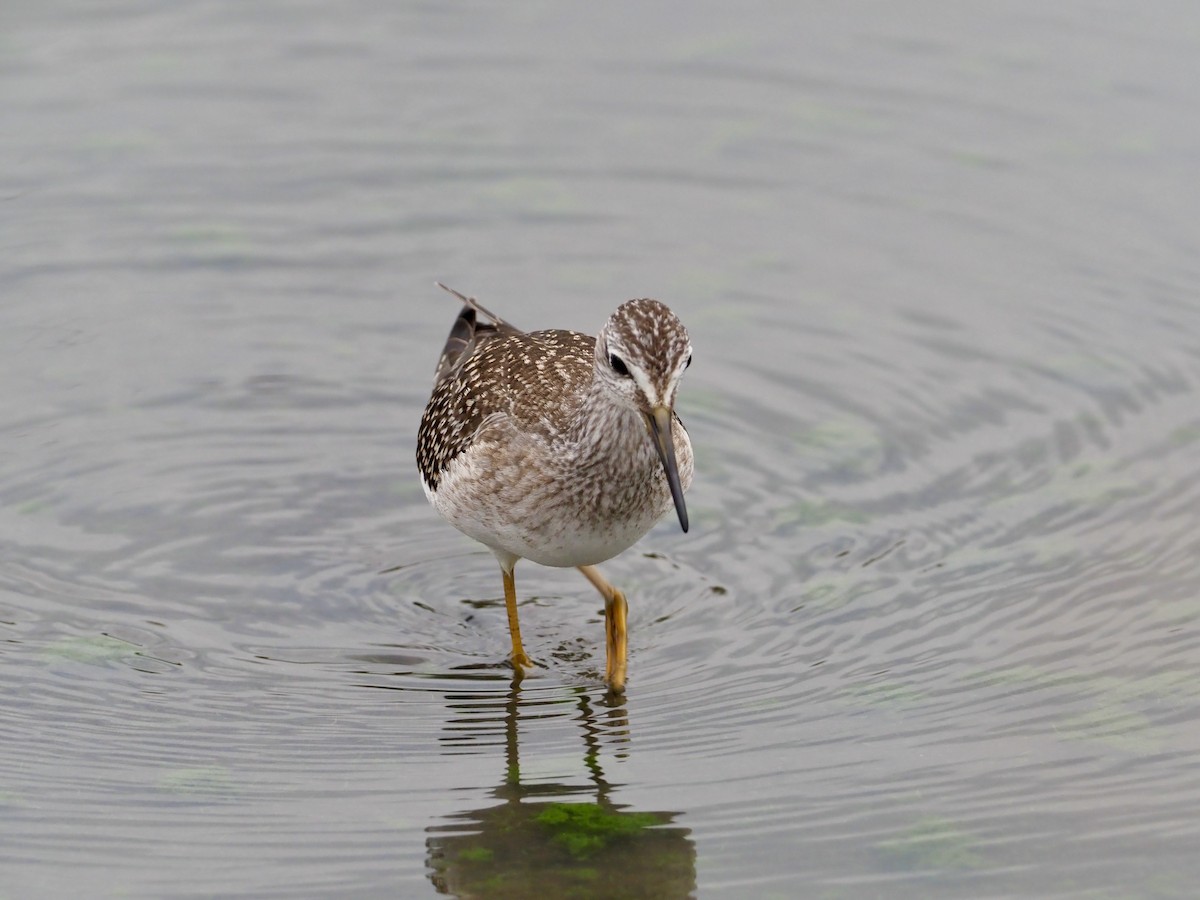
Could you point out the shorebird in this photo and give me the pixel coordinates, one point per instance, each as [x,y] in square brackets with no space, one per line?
[559,447]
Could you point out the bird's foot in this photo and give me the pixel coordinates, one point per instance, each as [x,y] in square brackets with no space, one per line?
[520,662]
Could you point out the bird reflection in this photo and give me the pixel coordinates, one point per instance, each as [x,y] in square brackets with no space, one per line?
[559,840]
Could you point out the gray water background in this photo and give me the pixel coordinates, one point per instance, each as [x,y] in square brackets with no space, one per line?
[935,631]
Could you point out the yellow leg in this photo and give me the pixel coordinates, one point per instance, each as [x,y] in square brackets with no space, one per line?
[520,661]
[616,614]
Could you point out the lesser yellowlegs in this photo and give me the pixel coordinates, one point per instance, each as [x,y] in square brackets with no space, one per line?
[559,447]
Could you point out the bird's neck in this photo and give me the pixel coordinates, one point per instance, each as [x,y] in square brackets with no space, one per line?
[606,433]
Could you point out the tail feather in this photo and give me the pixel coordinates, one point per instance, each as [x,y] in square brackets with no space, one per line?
[468,333]
[479,307]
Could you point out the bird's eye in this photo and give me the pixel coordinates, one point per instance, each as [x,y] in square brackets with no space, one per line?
[689,361]
[618,365]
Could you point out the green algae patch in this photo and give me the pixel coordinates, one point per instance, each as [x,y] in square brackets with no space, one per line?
[887,694]
[1123,714]
[584,829]
[572,851]
[838,590]
[1117,727]
[814,514]
[476,855]
[92,649]
[932,843]
[197,782]
[843,445]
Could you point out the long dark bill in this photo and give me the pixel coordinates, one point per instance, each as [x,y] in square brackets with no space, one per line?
[659,422]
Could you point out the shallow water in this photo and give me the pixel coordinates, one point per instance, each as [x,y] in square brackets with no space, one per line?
[934,631]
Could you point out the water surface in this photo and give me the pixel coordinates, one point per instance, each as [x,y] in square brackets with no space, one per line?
[934,630]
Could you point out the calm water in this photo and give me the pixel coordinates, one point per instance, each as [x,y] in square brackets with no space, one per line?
[935,631]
